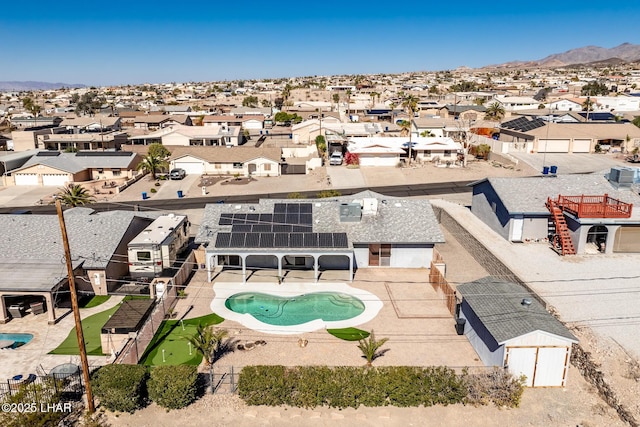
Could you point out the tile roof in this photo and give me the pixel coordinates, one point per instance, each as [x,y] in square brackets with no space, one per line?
[498,305]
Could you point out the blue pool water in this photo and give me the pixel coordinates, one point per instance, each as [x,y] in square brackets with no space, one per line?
[296,310]
[18,339]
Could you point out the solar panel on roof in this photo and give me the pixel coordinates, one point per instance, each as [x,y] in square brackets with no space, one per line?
[223,240]
[241,228]
[252,240]
[239,218]
[267,240]
[293,208]
[306,218]
[279,218]
[280,208]
[306,208]
[292,218]
[301,228]
[225,219]
[325,240]
[266,218]
[310,240]
[262,228]
[296,240]
[281,240]
[340,240]
[252,218]
[237,240]
[282,228]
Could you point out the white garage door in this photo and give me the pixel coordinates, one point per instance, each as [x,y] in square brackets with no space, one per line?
[378,160]
[581,145]
[553,146]
[26,178]
[57,179]
[192,168]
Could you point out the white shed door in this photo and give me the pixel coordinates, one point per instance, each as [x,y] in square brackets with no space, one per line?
[192,168]
[26,178]
[522,361]
[551,367]
[553,146]
[59,180]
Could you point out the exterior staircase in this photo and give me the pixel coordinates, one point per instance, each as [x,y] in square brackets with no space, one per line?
[562,238]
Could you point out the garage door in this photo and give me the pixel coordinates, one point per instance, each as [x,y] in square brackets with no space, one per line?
[581,145]
[627,239]
[192,168]
[26,178]
[543,366]
[553,146]
[55,179]
[378,160]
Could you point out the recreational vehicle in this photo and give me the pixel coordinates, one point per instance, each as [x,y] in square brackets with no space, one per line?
[158,246]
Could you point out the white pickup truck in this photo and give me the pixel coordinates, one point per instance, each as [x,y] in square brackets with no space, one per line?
[335,159]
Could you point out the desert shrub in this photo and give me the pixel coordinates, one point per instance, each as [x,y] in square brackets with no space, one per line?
[173,387]
[153,190]
[328,193]
[495,386]
[41,393]
[120,387]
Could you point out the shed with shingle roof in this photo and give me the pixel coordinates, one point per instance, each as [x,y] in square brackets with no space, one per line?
[508,327]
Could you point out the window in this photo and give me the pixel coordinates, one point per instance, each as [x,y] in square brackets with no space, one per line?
[100,170]
[116,172]
[218,166]
[427,153]
[267,167]
[237,165]
[447,153]
[144,256]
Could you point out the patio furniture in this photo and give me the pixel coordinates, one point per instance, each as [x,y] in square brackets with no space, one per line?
[37,308]
[17,310]
[64,371]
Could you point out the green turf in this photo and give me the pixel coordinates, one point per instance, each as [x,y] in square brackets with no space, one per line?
[96,301]
[349,334]
[174,340]
[91,327]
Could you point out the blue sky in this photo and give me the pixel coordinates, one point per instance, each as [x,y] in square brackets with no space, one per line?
[133,42]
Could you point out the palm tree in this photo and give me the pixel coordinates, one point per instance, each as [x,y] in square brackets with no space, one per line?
[207,342]
[151,164]
[405,127]
[370,347]
[348,92]
[494,111]
[427,133]
[74,195]
[410,102]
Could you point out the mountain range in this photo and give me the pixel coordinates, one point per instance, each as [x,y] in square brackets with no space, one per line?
[596,55]
[30,85]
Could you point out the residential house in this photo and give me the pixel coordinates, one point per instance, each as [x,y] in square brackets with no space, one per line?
[462,112]
[342,233]
[192,135]
[108,140]
[515,103]
[388,151]
[31,252]
[597,211]
[53,168]
[20,122]
[242,161]
[92,124]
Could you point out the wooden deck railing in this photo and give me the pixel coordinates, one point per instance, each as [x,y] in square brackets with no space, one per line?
[594,206]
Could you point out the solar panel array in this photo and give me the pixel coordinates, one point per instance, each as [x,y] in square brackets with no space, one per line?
[289,226]
[523,124]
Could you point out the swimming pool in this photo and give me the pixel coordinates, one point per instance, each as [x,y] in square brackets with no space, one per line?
[14,340]
[295,310]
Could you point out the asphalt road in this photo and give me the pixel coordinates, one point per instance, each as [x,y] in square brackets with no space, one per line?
[431,189]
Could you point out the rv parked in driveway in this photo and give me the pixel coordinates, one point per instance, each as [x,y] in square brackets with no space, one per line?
[158,246]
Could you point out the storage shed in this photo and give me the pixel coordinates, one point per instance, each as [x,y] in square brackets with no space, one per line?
[508,327]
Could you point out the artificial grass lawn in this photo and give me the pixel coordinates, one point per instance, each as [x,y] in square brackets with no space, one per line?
[91,327]
[96,301]
[174,340]
[349,334]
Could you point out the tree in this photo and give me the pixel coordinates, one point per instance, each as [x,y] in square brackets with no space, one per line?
[266,103]
[464,86]
[636,121]
[405,127]
[427,133]
[158,150]
[74,195]
[250,101]
[370,347]
[207,342]
[594,88]
[494,111]
[29,104]
[321,143]
[89,103]
[152,164]
[336,98]
[587,105]
[410,102]
[348,92]
[351,158]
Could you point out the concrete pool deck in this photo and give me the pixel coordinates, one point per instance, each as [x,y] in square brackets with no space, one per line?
[224,290]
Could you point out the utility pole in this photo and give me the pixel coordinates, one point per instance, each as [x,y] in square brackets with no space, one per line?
[76,310]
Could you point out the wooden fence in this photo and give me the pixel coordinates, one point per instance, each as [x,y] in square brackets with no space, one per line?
[440,284]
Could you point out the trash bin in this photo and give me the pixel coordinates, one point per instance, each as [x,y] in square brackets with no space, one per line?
[179,194]
[554,169]
[460,326]
[144,195]
[545,170]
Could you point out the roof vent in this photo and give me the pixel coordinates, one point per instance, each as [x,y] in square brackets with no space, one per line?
[526,302]
[350,212]
[621,177]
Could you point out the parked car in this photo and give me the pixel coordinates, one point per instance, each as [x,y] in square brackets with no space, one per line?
[177,173]
[335,159]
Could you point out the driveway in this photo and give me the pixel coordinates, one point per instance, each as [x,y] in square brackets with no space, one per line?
[24,195]
[344,177]
[571,163]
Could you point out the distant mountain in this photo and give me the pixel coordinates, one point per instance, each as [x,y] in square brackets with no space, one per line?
[626,52]
[21,86]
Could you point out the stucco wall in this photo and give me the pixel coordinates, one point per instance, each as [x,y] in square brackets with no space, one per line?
[411,256]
